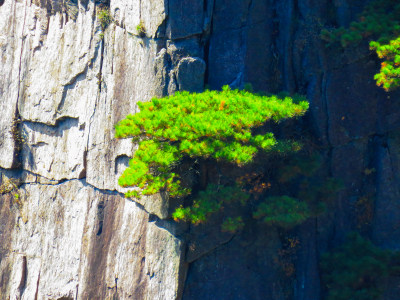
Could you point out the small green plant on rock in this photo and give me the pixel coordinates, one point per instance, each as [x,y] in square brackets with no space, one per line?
[379,21]
[105,18]
[140,29]
[10,186]
[7,186]
[301,173]
[308,192]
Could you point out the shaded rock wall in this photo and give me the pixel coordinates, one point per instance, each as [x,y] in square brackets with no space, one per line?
[275,45]
[63,86]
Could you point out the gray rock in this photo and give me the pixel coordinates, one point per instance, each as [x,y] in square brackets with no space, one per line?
[129,14]
[59,237]
[11,43]
[71,240]
[184,48]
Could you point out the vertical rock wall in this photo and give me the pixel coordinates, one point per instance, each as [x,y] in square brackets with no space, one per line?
[65,229]
[276,45]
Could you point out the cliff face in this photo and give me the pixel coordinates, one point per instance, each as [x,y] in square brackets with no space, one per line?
[65,228]
[72,234]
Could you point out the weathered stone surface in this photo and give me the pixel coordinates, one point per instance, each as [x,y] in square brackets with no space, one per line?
[386,231]
[154,15]
[345,119]
[190,74]
[307,285]
[218,276]
[260,56]
[228,43]
[164,263]
[126,14]
[184,48]
[204,238]
[7,227]
[351,160]
[185,18]
[228,15]
[132,70]
[12,15]
[226,58]
[71,240]
[151,14]
[70,97]
[70,87]
[55,77]
[54,152]
[59,68]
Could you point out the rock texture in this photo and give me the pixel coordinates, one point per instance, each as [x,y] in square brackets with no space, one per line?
[75,241]
[66,232]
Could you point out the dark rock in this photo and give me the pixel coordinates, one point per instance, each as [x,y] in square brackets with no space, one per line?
[245,268]
[229,15]
[185,18]
[307,275]
[348,165]
[260,69]
[350,115]
[204,238]
[190,74]
[226,57]
[386,227]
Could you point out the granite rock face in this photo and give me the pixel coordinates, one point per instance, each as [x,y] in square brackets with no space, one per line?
[66,232]
[72,240]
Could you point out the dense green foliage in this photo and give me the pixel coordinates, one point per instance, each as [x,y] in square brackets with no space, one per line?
[210,201]
[310,192]
[379,23]
[229,126]
[209,125]
[389,75]
[357,269]
[282,211]
[301,173]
